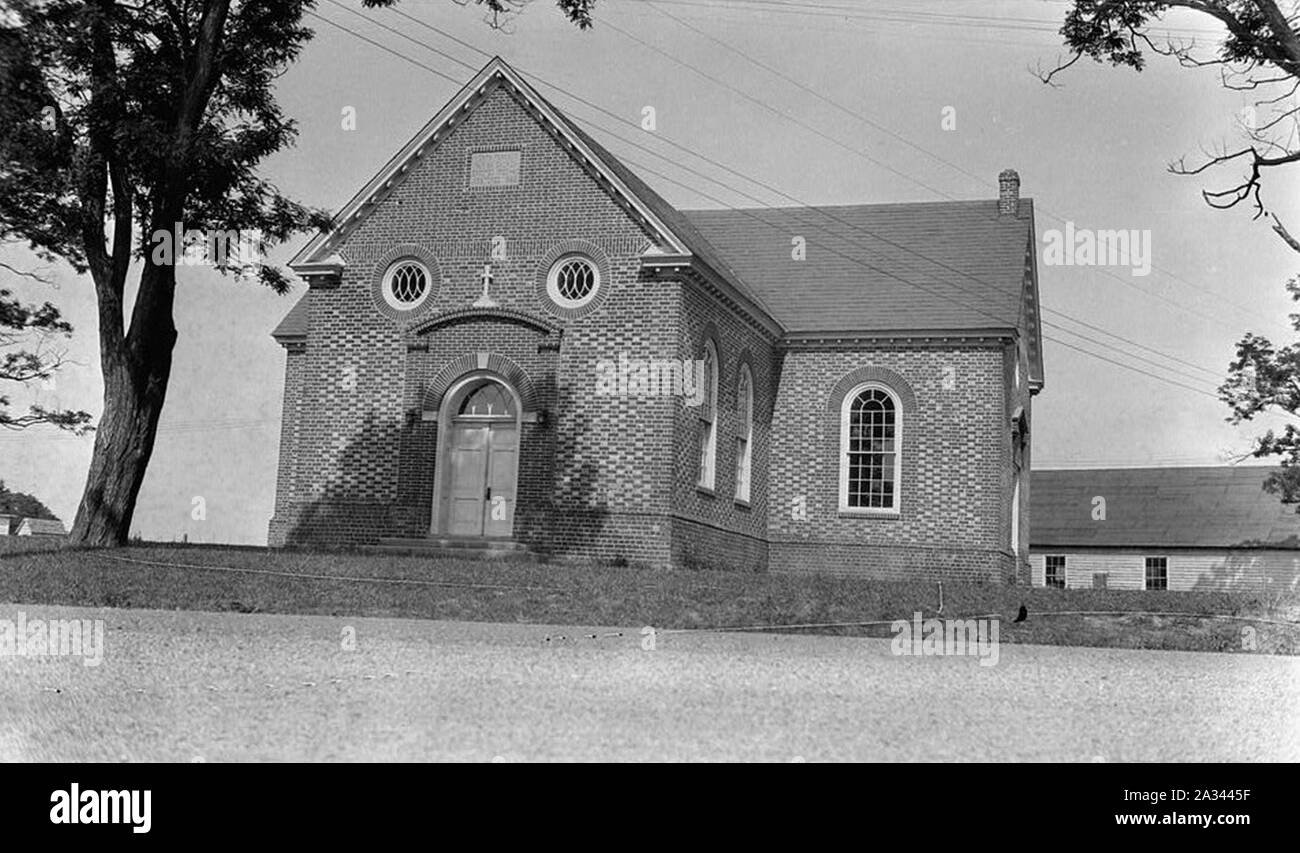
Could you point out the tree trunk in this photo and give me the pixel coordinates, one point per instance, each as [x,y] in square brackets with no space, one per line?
[136,370]
[136,365]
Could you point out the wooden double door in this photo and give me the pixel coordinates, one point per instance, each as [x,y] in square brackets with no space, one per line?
[483,468]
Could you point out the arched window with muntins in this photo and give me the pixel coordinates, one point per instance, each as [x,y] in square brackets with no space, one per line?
[487,400]
[870,450]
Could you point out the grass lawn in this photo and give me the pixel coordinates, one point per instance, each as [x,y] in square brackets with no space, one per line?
[352,584]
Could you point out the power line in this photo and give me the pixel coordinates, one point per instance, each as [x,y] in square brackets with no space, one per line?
[760,183]
[1242,310]
[851,259]
[884,14]
[805,88]
[777,112]
[1212,373]
[382,47]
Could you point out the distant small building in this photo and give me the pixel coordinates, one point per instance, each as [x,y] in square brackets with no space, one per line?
[40,527]
[1210,528]
[6,522]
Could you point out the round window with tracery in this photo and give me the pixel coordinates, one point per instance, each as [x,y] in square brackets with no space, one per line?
[406,285]
[573,282]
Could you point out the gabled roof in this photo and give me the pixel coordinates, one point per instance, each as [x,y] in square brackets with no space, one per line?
[1208,507]
[879,267]
[675,234]
[43,526]
[496,70]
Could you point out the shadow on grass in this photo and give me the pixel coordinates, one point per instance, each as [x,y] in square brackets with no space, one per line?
[356,585]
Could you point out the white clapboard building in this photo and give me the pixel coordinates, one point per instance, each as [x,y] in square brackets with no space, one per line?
[40,527]
[1206,528]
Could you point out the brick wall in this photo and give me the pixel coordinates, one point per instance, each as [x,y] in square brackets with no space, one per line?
[952,521]
[712,528]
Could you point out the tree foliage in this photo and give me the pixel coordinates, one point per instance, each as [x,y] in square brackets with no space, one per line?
[106,115]
[1265,379]
[500,12]
[22,505]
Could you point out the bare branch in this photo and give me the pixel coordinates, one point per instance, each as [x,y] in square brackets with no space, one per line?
[1251,83]
[1048,77]
[24,273]
[1284,234]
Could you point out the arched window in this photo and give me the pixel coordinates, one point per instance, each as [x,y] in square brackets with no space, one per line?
[709,419]
[487,400]
[745,440]
[871,432]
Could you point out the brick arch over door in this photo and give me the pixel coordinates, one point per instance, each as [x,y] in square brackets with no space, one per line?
[471,361]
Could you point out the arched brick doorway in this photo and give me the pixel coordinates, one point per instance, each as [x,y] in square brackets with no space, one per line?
[476,473]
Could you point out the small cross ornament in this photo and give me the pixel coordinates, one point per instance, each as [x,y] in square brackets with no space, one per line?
[486,301]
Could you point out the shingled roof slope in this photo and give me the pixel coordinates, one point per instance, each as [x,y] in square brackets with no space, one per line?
[879,267]
[44,526]
[296,323]
[1206,507]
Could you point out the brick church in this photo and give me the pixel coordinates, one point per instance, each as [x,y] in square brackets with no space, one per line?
[509,340]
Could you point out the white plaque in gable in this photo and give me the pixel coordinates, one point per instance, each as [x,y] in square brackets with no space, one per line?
[494,169]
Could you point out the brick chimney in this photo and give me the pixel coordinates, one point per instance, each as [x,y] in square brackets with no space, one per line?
[1009,193]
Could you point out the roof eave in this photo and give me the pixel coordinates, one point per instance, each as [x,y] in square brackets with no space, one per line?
[292,343]
[330,266]
[852,335]
[665,260]
[661,261]
[1154,549]
[1037,374]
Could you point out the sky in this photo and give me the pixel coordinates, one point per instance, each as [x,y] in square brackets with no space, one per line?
[824,102]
